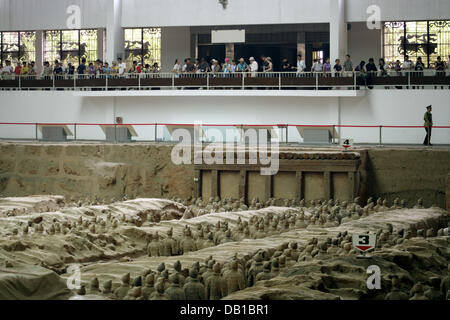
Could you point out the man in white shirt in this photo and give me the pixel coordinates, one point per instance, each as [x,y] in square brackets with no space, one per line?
[317,66]
[253,67]
[7,69]
[408,64]
[301,65]
[122,66]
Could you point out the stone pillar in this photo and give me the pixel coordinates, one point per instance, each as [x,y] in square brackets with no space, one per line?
[101,45]
[114,31]
[338,30]
[39,50]
[447,194]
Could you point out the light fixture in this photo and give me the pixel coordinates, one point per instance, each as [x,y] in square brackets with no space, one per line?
[224,3]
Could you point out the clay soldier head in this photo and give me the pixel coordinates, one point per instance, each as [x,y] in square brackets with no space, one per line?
[107,287]
[94,286]
[217,268]
[160,287]
[177,266]
[137,282]
[126,279]
[161,267]
[150,280]
[282,261]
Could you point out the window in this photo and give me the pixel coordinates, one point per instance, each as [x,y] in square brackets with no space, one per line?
[70,46]
[28,46]
[440,36]
[426,39]
[52,46]
[393,36]
[18,46]
[143,45]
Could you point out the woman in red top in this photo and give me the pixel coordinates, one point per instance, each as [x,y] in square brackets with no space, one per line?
[18,69]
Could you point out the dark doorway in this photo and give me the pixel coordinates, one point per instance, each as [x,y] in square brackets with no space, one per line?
[276,52]
[210,52]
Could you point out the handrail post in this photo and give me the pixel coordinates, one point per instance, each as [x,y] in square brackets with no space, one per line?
[106,89]
[75,131]
[36,131]
[381,136]
[53,77]
[287,134]
[173,81]
[207,81]
[334,136]
[74,82]
[279,80]
[115,132]
[354,80]
[20,83]
[139,80]
[243,80]
[156,132]
[409,79]
[317,81]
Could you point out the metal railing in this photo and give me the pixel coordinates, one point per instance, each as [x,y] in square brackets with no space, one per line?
[239,80]
[155,132]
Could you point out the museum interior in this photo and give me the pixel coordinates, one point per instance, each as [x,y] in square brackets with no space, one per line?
[224,150]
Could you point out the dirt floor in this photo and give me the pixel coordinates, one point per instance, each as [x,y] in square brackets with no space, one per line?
[43,238]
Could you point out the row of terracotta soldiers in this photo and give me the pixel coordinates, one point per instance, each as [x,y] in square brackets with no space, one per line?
[215,281]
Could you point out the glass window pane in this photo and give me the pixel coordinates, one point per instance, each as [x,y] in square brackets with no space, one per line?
[52,46]
[133,45]
[440,40]
[152,46]
[10,47]
[28,46]
[416,42]
[394,38]
[89,45]
[70,47]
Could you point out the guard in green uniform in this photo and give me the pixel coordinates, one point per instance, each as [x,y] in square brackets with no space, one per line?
[428,117]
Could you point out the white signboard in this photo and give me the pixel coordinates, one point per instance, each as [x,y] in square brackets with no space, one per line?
[228,36]
[364,242]
[346,143]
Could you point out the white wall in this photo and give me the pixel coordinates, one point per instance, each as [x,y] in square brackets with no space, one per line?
[392,10]
[364,43]
[16,15]
[145,13]
[51,14]
[379,107]
[175,43]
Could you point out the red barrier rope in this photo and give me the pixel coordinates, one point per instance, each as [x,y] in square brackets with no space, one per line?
[215,125]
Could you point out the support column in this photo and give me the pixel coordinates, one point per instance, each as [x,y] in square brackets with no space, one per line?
[268,187]
[299,193]
[101,45]
[39,50]
[338,30]
[214,183]
[351,184]
[114,31]
[243,185]
[327,184]
[197,183]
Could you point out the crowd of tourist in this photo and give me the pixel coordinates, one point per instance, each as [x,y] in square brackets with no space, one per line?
[58,68]
[228,66]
